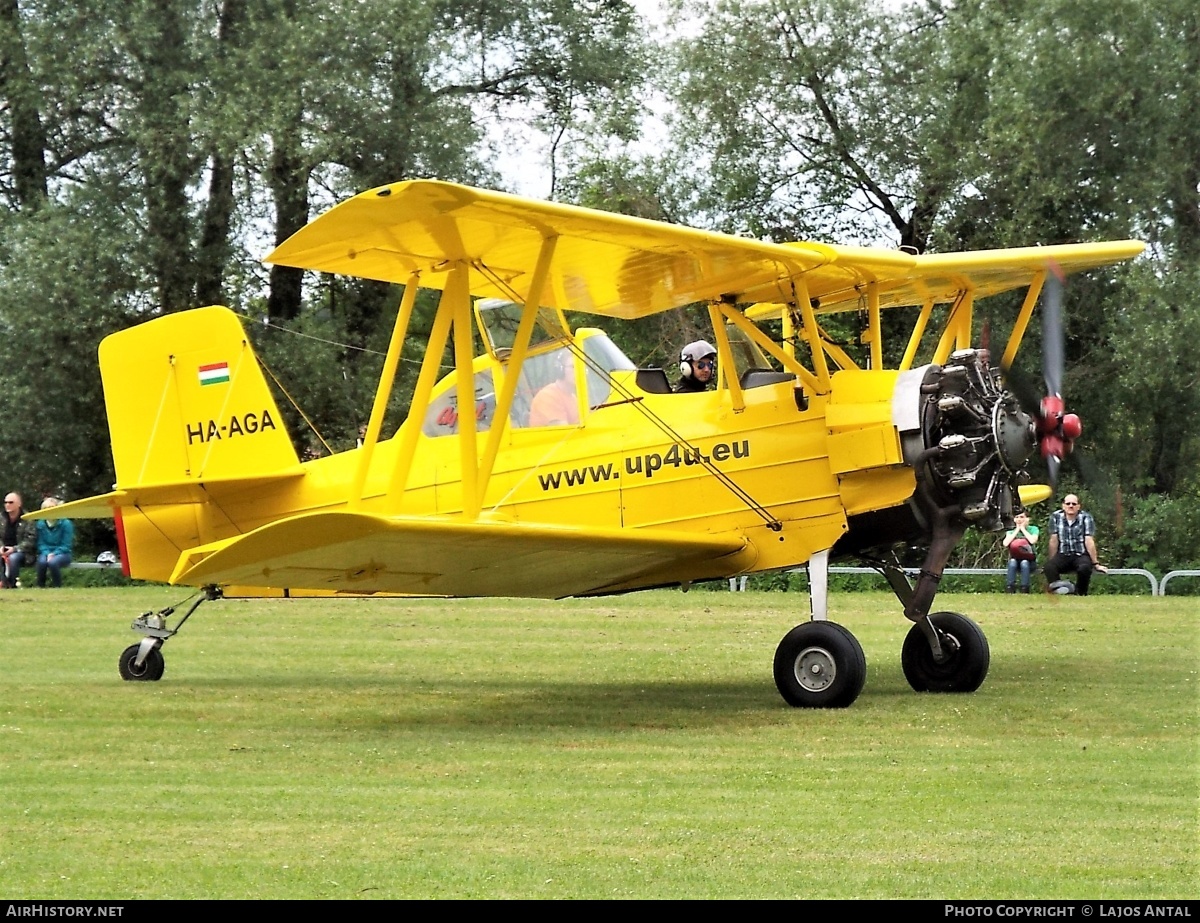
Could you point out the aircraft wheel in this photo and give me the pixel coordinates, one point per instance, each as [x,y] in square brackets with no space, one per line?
[963,670]
[820,665]
[151,669]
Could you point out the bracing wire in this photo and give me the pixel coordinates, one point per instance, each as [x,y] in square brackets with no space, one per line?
[292,400]
[652,417]
[578,353]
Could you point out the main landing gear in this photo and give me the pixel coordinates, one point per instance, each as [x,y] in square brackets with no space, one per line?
[820,664]
[144,662]
[964,659]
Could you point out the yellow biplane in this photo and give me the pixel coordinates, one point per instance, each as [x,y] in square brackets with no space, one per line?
[798,457]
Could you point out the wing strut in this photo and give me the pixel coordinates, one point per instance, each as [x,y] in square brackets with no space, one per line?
[790,363]
[876,329]
[725,354]
[914,341]
[386,379]
[458,291]
[952,333]
[1022,321]
[516,359]
[426,379]
[800,296]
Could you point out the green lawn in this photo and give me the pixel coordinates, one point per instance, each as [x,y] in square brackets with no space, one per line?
[625,747]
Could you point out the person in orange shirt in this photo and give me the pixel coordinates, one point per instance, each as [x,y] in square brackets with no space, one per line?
[557,404]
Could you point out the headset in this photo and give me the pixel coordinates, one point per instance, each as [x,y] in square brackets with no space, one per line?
[685,364]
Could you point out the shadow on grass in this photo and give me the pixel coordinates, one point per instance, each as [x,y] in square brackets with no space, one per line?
[509,705]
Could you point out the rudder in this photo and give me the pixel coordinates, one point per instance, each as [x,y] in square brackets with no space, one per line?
[187,401]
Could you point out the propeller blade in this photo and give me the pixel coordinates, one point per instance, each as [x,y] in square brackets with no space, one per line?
[1052,330]
[1052,465]
[1054,429]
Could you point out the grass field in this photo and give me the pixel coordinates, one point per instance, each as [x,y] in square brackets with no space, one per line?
[609,748]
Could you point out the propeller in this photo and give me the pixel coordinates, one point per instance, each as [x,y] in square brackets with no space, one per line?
[1056,429]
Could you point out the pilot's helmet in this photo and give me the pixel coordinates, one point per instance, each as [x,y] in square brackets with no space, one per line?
[693,353]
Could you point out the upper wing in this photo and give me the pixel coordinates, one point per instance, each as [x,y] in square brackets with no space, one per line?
[627,267]
[940,277]
[361,552]
[603,263]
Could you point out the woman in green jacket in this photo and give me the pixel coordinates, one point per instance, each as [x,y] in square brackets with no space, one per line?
[55,538]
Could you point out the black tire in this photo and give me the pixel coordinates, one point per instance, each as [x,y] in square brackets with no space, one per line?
[151,669]
[963,671]
[820,665]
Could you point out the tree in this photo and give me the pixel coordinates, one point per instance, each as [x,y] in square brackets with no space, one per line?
[58,297]
[811,120]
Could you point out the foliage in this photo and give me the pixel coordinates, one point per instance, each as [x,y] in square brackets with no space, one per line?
[79,578]
[1155,528]
[152,173]
[799,117]
[59,296]
[982,124]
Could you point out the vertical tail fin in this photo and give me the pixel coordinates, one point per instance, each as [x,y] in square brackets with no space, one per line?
[187,401]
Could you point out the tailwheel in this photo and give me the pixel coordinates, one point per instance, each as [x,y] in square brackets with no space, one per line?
[820,665]
[964,656]
[144,662]
[150,669]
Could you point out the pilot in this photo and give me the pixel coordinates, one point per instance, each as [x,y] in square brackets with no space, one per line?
[557,404]
[697,367]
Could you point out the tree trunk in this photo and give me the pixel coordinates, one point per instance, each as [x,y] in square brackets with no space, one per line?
[218,210]
[28,134]
[288,178]
[166,164]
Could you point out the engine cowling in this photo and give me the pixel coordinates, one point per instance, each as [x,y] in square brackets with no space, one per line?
[974,441]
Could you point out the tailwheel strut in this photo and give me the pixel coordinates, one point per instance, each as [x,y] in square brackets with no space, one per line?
[144,662]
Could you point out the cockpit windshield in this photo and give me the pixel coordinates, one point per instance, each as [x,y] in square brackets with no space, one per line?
[603,358]
[499,321]
[547,385]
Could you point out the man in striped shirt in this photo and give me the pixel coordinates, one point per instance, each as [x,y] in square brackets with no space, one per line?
[1073,545]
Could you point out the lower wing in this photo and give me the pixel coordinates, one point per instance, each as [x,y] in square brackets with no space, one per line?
[364,553]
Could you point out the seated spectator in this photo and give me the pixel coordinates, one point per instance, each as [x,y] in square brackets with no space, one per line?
[1020,541]
[55,540]
[18,540]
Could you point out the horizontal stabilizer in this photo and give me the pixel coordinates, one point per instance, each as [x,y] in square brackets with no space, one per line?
[364,553]
[149,495]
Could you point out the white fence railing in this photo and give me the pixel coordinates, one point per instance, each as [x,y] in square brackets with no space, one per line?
[1157,587]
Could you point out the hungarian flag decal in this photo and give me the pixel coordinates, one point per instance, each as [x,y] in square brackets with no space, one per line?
[214,374]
